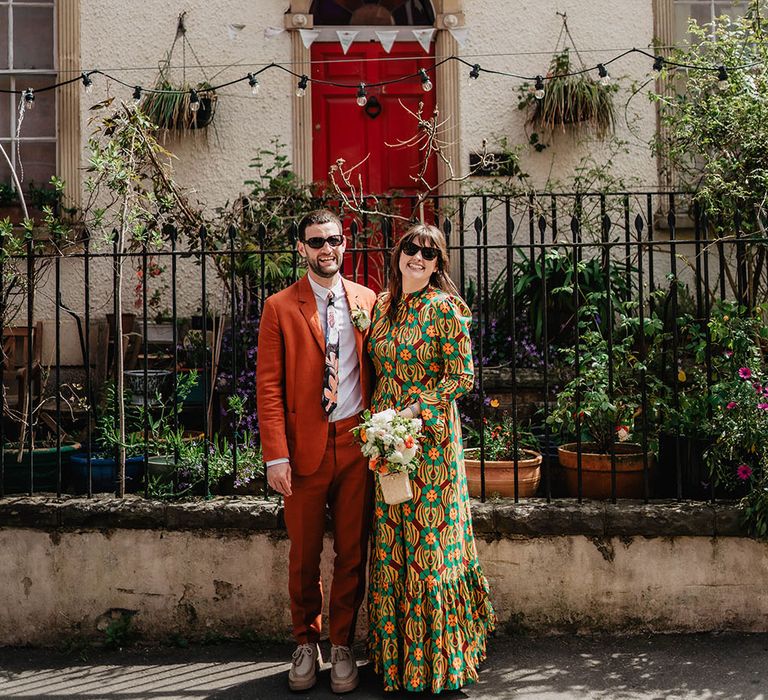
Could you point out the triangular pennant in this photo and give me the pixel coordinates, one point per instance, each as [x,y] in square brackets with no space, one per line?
[461,34]
[387,39]
[308,36]
[424,37]
[346,37]
[272,32]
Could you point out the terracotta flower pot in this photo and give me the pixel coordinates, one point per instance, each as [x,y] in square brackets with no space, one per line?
[596,470]
[500,475]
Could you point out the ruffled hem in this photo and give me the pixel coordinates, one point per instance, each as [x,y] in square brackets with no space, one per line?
[414,644]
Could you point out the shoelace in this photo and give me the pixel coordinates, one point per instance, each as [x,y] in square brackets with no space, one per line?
[302,649]
[340,654]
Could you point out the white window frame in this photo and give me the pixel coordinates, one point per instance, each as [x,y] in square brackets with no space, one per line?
[16,76]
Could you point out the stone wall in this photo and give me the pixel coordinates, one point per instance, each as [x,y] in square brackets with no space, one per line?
[69,567]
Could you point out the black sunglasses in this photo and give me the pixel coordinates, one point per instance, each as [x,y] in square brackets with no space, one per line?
[428,253]
[318,242]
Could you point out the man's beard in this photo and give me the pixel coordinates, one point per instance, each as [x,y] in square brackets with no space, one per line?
[314,265]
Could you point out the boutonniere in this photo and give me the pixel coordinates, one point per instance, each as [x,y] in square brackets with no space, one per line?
[361,319]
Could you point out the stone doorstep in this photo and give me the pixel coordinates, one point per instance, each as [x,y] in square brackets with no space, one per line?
[492,520]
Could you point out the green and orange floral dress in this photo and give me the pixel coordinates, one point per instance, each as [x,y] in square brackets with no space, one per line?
[428,600]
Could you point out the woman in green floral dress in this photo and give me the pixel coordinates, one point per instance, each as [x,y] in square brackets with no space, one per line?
[428,600]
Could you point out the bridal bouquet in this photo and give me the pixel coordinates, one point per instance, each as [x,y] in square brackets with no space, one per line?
[391,444]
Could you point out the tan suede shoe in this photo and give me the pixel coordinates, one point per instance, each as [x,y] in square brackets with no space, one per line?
[304,668]
[343,670]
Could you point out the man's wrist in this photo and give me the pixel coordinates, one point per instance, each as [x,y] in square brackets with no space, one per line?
[275,462]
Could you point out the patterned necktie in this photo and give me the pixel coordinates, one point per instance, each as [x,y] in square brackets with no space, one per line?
[331,377]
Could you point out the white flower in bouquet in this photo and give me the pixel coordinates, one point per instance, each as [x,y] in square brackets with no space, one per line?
[390,441]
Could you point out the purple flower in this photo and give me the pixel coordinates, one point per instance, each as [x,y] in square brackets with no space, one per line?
[745,372]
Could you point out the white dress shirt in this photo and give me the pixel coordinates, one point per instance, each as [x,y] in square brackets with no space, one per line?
[350,396]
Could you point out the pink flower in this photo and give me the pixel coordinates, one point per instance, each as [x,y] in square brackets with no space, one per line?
[745,372]
[758,387]
[744,471]
[731,405]
[729,353]
[763,406]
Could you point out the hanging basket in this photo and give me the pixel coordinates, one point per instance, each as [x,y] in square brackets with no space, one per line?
[395,488]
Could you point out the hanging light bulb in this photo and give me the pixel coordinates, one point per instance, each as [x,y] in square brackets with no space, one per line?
[426,83]
[253,81]
[538,92]
[29,98]
[658,63]
[722,78]
[362,97]
[194,101]
[602,71]
[87,83]
[475,72]
[301,88]
[137,94]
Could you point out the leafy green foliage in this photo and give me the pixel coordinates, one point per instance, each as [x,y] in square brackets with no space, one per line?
[604,401]
[716,137]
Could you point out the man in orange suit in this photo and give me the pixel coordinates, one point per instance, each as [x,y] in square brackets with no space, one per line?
[313,379]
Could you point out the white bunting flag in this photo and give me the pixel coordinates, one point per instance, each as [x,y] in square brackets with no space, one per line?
[346,37]
[424,37]
[387,39]
[308,36]
[461,34]
[272,32]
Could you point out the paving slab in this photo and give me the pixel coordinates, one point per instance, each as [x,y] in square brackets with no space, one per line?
[655,667]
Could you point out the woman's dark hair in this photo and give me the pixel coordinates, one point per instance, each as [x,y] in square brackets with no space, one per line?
[421,234]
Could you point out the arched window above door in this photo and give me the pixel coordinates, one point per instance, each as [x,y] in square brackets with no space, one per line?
[373,12]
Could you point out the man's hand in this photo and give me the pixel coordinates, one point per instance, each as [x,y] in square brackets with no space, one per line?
[279,478]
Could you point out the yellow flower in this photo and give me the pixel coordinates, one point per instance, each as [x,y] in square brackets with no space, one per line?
[495,403]
[681,376]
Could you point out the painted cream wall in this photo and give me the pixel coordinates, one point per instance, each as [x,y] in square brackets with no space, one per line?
[58,585]
[530,29]
[128,40]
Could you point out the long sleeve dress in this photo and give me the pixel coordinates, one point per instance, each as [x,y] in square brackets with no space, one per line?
[428,600]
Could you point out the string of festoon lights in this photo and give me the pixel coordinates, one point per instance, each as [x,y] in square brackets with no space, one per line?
[360,90]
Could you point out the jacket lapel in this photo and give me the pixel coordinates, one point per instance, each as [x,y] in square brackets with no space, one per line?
[309,310]
[354,303]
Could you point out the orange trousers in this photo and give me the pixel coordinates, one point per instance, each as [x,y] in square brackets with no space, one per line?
[344,484]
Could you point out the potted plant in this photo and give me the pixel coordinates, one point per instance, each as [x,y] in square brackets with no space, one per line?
[601,407]
[508,449]
[179,106]
[31,459]
[563,99]
[171,107]
[97,464]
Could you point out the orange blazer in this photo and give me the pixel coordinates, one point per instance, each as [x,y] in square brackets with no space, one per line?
[290,366]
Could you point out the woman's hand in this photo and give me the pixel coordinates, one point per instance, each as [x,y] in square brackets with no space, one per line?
[412,411]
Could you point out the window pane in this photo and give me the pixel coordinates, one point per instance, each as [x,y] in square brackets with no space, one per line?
[3,37]
[6,101]
[40,121]
[39,163]
[5,171]
[34,22]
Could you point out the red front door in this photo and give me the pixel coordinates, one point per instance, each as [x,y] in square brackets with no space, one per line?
[343,129]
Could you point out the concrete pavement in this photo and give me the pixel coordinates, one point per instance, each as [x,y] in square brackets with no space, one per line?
[732,666]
